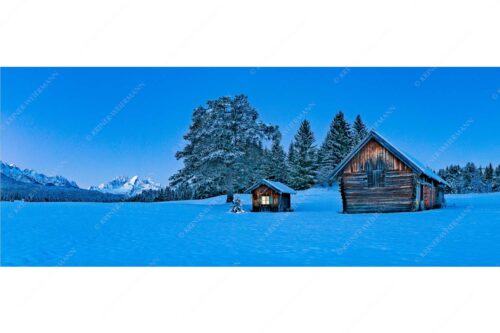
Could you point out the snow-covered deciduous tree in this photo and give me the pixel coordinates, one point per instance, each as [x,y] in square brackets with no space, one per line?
[359,131]
[303,158]
[337,145]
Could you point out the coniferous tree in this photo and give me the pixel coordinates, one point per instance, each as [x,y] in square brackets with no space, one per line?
[290,163]
[453,175]
[478,184]
[326,159]
[337,144]
[496,180]
[303,164]
[275,161]
[471,179]
[469,174]
[266,167]
[359,131]
[222,144]
[192,174]
[489,174]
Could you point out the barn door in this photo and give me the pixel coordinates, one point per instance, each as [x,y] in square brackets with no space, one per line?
[375,172]
[427,197]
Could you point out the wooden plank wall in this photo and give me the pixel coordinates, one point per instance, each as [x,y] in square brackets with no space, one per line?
[398,193]
[428,197]
[264,191]
[371,152]
[433,197]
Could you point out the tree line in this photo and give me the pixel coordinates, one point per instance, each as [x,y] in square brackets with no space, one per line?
[228,148]
[471,179]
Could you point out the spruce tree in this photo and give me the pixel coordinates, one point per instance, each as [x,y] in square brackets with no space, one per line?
[303,167]
[496,180]
[275,161]
[290,164]
[469,173]
[337,144]
[489,177]
[473,179]
[266,167]
[489,172]
[326,160]
[359,131]
[453,175]
[478,184]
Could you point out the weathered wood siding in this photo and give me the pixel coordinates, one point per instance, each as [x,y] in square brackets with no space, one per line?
[395,192]
[370,153]
[279,204]
[433,197]
[398,194]
[264,191]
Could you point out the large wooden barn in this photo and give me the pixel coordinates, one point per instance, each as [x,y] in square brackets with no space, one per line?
[377,177]
[271,196]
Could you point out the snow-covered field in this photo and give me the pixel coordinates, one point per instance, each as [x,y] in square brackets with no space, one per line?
[203,233]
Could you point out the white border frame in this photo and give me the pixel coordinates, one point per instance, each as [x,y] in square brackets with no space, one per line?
[255,34]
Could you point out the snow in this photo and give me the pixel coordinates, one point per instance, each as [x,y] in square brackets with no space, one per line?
[280,187]
[204,233]
[413,162]
[423,168]
[128,186]
[29,176]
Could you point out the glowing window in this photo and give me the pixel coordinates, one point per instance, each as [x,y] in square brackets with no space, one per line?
[265,200]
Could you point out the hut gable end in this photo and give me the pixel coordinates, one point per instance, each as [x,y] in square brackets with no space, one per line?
[374,156]
[271,196]
[377,177]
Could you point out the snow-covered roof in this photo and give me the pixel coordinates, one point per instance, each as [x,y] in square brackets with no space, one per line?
[277,186]
[413,163]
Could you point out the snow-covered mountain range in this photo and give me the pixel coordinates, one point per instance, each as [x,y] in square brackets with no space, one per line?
[128,186]
[29,176]
[27,184]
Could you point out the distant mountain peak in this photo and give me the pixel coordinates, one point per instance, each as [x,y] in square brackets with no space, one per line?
[128,186]
[30,176]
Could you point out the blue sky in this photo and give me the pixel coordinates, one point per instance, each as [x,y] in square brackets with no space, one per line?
[93,124]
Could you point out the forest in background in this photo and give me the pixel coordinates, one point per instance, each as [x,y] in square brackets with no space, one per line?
[228,148]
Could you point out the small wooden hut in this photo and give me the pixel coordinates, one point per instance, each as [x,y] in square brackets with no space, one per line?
[377,177]
[271,196]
